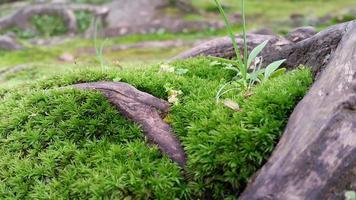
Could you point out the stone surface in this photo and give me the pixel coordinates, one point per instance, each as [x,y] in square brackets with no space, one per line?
[21,17]
[143,17]
[301,33]
[66,57]
[263,31]
[8,43]
[132,13]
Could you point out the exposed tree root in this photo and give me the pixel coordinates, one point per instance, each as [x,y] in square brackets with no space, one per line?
[147,111]
[316,157]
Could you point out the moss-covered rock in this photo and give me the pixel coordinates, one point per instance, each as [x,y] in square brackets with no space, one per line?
[57,142]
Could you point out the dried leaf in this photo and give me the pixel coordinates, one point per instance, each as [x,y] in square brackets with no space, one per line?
[232,105]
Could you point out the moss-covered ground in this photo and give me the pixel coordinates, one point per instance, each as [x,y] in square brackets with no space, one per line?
[61,143]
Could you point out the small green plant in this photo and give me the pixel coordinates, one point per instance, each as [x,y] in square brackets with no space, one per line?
[84,19]
[99,49]
[49,25]
[244,79]
[20,33]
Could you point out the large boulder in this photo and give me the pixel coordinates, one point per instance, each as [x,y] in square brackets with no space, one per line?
[132,13]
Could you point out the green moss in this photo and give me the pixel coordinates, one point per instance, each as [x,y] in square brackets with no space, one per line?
[60,142]
[22,34]
[49,25]
[52,146]
[280,9]
[27,56]
[84,19]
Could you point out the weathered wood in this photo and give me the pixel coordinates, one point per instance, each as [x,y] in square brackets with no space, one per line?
[312,50]
[316,157]
[20,18]
[147,111]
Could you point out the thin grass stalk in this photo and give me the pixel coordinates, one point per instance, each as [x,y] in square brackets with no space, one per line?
[244,72]
[99,49]
[227,91]
[231,34]
[218,94]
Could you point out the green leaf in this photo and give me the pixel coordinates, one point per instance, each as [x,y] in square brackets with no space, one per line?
[260,76]
[254,53]
[232,68]
[278,72]
[117,79]
[255,75]
[272,68]
[215,63]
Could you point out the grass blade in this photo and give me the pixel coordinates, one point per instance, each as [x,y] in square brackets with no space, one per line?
[245,66]
[230,32]
[272,68]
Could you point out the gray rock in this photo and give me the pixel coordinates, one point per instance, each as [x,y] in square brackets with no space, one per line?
[263,31]
[66,57]
[124,13]
[301,33]
[8,43]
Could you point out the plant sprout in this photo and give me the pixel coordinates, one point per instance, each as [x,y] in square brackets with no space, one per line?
[243,78]
[99,49]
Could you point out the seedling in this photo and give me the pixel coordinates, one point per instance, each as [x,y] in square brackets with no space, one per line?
[244,79]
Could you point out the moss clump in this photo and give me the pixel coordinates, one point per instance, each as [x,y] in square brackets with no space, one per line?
[20,33]
[49,25]
[60,142]
[84,19]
